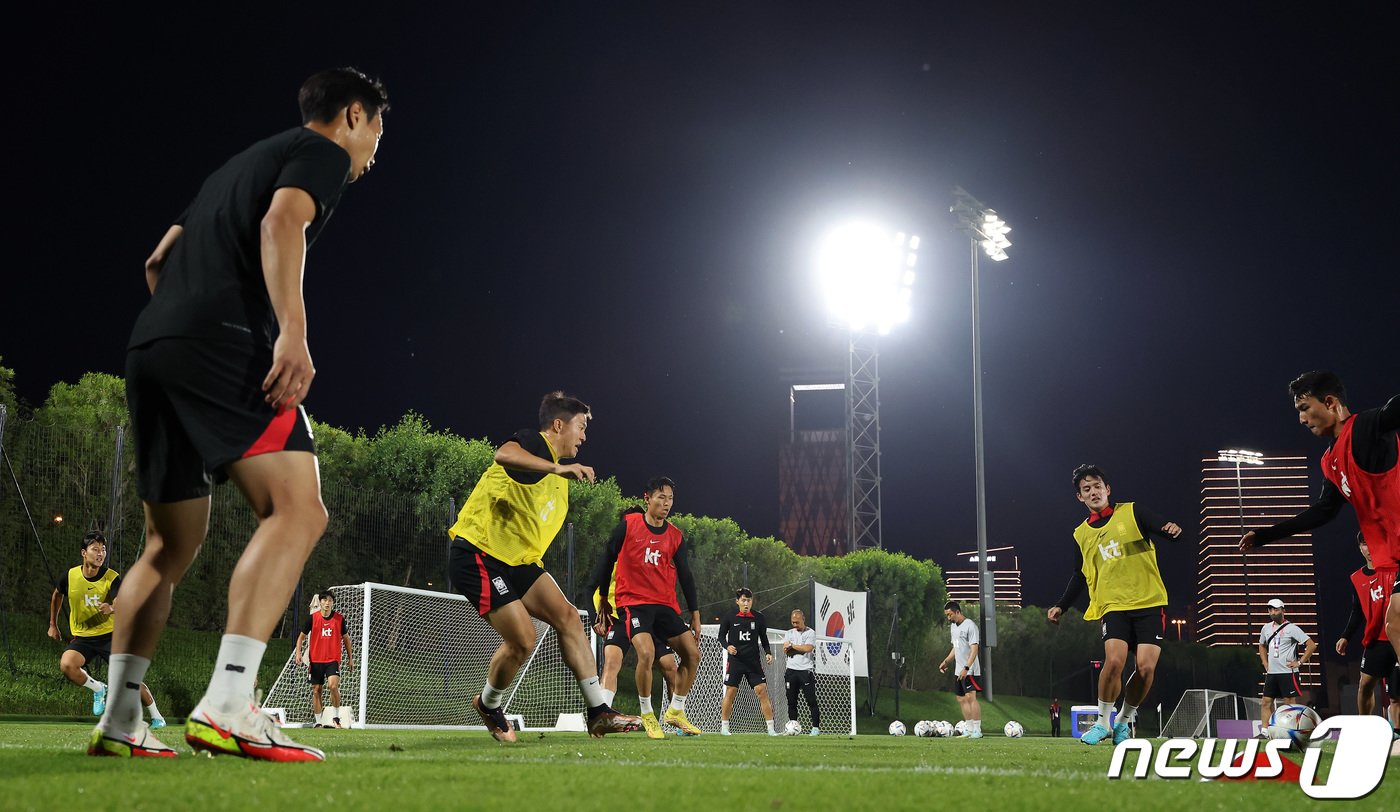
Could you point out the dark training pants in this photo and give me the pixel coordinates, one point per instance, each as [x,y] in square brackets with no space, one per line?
[806,682]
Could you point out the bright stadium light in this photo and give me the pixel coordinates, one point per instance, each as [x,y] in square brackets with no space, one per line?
[1238,455]
[866,272]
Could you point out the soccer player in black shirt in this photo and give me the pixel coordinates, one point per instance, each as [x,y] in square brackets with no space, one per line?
[742,633]
[217,370]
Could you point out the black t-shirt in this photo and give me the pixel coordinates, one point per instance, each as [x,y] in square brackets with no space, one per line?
[534,442]
[747,632]
[212,285]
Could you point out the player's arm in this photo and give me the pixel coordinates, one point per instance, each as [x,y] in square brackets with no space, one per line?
[804,648]
[1263,656]
[952,656]
[725,625]
[603,568]
[283,250]
[762,632]
[1325,509]
[55,601]
[345,641]
[1076,585]
[1354,619]
[109,601]
[971,657]
[155,263]
[513,455]
[686,579]
[1308,652]
[302,638]
[1151,524]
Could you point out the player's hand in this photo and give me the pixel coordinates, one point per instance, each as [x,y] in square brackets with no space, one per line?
[731,650]
[1293,664]
[1172,529]
[289,380]
[1342,646]
[770,657]
[577,471]
[598,627]
[1053,614]
[1248,542]
[105,608]
[296,659]
[943,668]
[53,633]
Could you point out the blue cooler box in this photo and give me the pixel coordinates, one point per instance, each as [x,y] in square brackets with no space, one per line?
[1083,717]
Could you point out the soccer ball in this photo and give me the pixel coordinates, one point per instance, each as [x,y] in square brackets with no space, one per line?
[897,728]
[792,728]
[942,729]
[1295,722]
[1013,730]
[923,729]
[960,728]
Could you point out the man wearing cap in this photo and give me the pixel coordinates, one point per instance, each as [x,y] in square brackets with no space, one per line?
[1278,651]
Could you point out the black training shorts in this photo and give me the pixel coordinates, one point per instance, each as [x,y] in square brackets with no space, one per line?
[319,672]
[1378,659]
[1136,626]
[1277,686]
[737,669]
[98,647]
[485,581]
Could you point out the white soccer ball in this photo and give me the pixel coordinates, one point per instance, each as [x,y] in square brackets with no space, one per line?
[923,729]
[960,728]
[792,728]
[897,728]
[942,729]
[1013,730]
[1295,722]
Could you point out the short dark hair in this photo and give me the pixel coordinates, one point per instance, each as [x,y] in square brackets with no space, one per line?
[1085,471]
[743,592]
[326,594]
[953,605]
[658,482]
[94,537]
[1319,384]
[327,93]
[559,406]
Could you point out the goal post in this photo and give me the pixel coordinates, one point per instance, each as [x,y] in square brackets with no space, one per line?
[1197,713]
[421,657]
[835,691]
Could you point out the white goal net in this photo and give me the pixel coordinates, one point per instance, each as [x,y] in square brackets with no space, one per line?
[835,692]
[420,658]
[1198,711]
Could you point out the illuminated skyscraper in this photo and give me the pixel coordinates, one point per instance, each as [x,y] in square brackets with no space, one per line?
[1241,491]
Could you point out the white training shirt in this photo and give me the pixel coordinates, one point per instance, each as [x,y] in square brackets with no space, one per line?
[796,661]
[964,637]
[1283,649]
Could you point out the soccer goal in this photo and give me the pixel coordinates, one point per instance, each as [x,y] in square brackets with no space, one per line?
[420,658]
[1198,711]
[835,691]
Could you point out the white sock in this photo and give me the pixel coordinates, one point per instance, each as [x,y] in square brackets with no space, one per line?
[1129,714]
[770,725]
[592,692]
[976,725]
[1105,711]
[235,673]
[678,702]
[123,712]
[491,696]
[645,702]
[153,710]
[724,725]
[93,685]
[608,696]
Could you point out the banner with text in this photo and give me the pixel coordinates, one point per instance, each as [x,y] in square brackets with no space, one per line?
[841,614]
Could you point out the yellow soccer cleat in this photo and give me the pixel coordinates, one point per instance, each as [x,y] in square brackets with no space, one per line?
[141,744]
[653,727]
[676,718]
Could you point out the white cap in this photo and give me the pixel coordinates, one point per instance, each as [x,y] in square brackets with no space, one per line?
[1275,604]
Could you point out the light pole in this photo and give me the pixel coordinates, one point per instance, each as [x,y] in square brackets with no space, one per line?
[1240,457]
[987,231]
[1178,623]
[866,271]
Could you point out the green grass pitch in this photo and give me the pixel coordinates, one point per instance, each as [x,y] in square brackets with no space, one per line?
[42,767]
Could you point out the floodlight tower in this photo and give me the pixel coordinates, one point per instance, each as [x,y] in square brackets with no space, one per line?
[866,271]
[987,231]
[1240,456]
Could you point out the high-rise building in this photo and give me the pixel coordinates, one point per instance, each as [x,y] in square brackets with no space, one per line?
[813,490]
[1243,491]
[1005,567]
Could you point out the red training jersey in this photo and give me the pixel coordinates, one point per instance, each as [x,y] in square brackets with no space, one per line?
[1374,592]
[646,565]
[1374,497]
[325,634]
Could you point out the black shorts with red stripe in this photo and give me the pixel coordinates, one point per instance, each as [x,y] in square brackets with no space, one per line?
[970,684]
[197,406]
[487,582]
[617,636]
[1279,686]
[1136,627]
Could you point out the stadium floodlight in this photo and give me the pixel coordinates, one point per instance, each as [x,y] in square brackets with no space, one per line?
[866,272]
[1241,456]
[1178,623]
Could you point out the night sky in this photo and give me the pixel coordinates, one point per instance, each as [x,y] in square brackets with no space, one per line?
[624,201]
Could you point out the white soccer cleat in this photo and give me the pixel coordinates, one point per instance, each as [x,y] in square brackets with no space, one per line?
[249,733]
